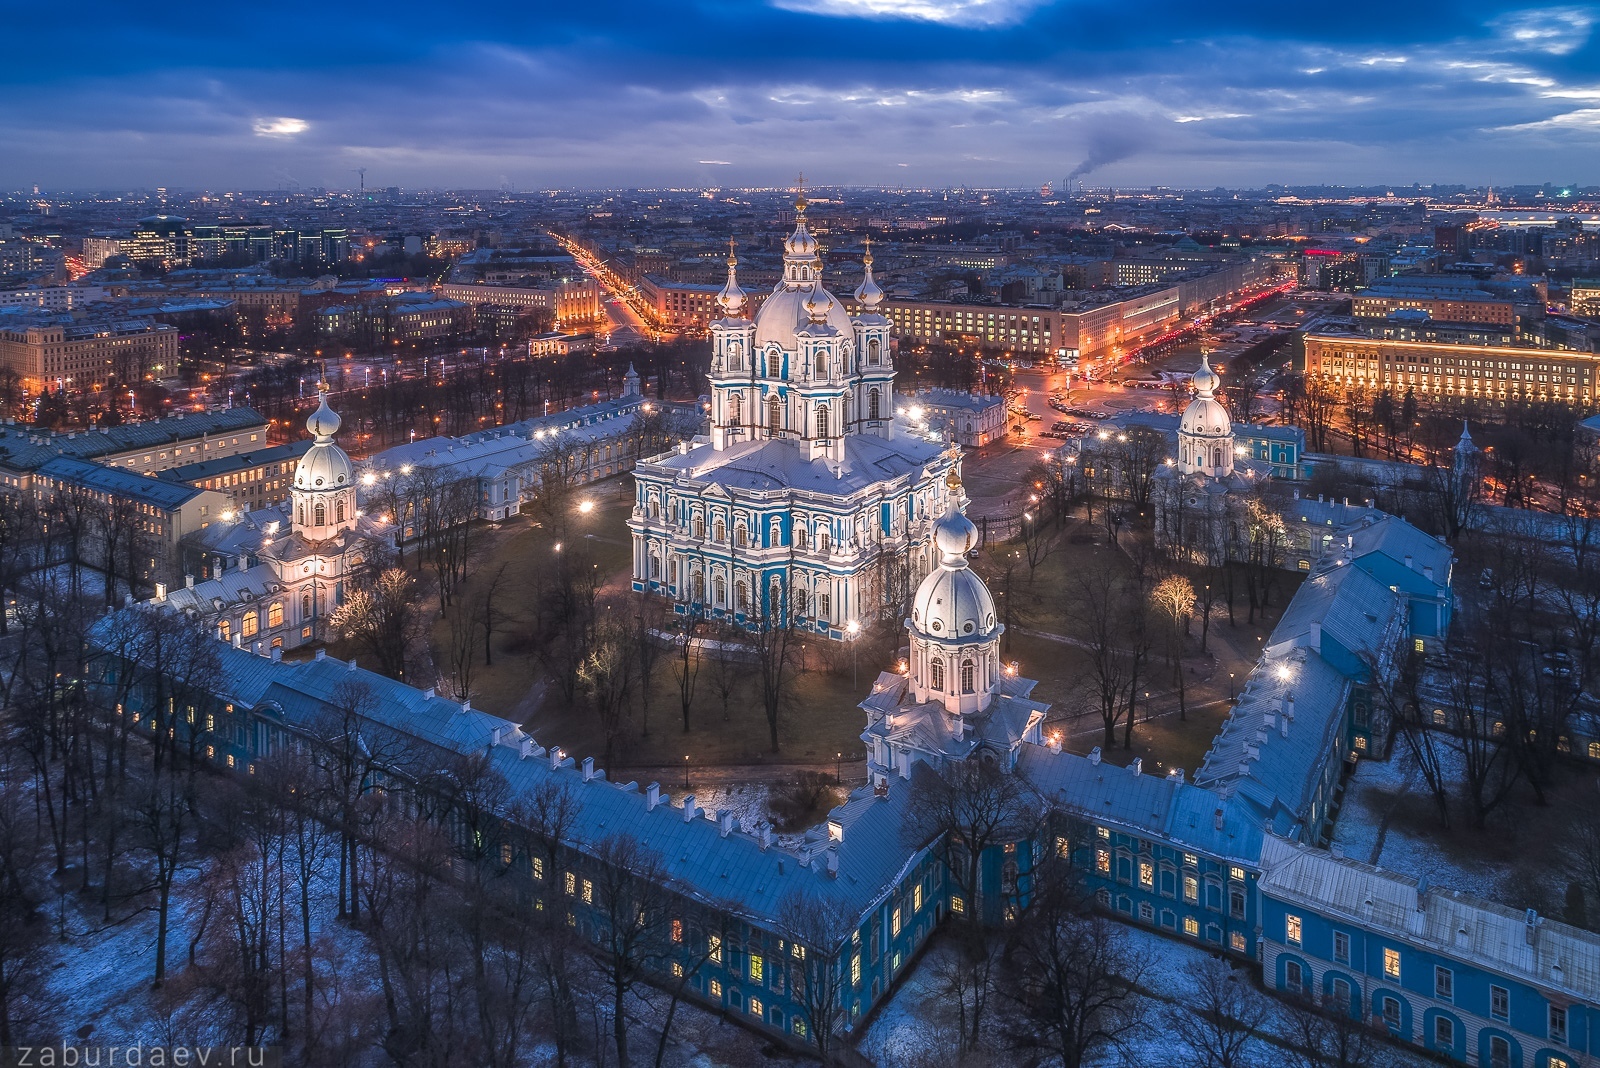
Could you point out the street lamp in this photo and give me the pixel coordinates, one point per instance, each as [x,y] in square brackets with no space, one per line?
[838,765]
[686,771]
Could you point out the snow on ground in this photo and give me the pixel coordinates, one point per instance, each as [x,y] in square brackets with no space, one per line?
[1379,824]
[748,803]
[916,1028]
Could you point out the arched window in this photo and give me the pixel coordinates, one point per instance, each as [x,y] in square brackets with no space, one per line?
[305,605]
[699,586]
[720,587]
[699,526]
[275,614]
[822,420]
[741,536]
[735,356]
[822,365]
[223,629]
[936,674]
[873,404]
[799,601]
[1216,457]
[721,531]
[1292,978]
[655,566]
[774,365]
[338,512]
[655,508]
[774,416]
[741,596]
[302,512]
[801,538]
[733,410]
[321,510]
[775,598]
[969,679]
[824,540]
[872,351]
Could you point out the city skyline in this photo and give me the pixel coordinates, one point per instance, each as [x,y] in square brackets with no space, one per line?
[855,92]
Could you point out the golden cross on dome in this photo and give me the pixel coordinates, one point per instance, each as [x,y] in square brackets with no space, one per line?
[733,261]
[800,193]
[867,259]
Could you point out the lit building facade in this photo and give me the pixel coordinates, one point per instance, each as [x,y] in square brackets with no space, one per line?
[806,505]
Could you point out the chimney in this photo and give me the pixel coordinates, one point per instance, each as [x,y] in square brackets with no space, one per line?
[352,664]
[1288,706]
[1283,727]
[588,768]
[1531,921]
[428,694]
[1297,493]
[1094,755]
[652,796]
[188,582]
[764,837]
[833,864]
[161,591]
[1427,572]
[724,822]
[1410,566]
[277,654]
[1055,743]
[555,756]
[1175,774]
[494,736]
[526,749]
[1216,819]
[322,654]
[1316,635]
[690,809]
[466,705]
[1137,767]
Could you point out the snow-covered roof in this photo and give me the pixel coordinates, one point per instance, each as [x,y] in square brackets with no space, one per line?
[775,465]
[1541,951]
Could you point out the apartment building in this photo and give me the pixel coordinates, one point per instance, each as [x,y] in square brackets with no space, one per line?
[59,351]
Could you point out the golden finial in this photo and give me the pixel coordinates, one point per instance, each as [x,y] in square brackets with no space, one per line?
[733,261]
[800,194]
[952,480]
[867,258]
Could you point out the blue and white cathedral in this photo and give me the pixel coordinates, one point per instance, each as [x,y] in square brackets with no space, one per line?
[804,504]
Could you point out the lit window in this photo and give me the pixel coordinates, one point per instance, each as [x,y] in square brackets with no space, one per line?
[1147,874]
[916,898]
[1236,873]
[1391,963]
[715,946]
[755,1006]
[957,905]
[1191,889]
[716,988]
[1062,849]
[538,868]
[1102,861]
[757,968]
[677,930]
[855,969]
[1236,941]
[1292,923]
[894,921]
[572,884]
[1191,927]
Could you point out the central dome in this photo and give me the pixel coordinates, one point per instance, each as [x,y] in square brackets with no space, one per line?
[953,604]
[781,315]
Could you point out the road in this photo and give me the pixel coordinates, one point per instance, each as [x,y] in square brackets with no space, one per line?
[624,305]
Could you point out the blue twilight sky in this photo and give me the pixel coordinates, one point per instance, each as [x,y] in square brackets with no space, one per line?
[918,92]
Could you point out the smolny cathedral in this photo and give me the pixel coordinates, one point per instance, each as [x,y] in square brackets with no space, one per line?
[804,503]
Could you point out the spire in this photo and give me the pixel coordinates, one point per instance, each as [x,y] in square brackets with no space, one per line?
[1465,443]
[731,299]
[800,250]
[868,295]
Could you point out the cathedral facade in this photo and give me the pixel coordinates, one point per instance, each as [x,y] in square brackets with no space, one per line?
[804,504]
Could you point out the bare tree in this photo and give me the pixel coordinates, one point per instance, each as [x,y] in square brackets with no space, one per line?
[817,984]
[1174,598]
[607,678]
[383,621]
[1325,1034]
[631,913]
[1069,974]
[1221,1024]
[686,661]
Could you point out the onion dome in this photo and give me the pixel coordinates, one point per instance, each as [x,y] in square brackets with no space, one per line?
[731,299]
[800,243]
[1206,380]
[324,422]
[868,295]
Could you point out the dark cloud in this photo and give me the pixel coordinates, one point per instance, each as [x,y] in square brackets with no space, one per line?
[630,92]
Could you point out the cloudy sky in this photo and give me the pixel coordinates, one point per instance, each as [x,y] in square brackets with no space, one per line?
[917,92]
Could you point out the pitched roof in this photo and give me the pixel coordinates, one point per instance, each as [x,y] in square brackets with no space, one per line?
[1541,951]
[156,492]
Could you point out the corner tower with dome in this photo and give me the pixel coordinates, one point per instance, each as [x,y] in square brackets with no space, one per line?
[952,698]
[1201,493]
[804,504]
[268,579]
